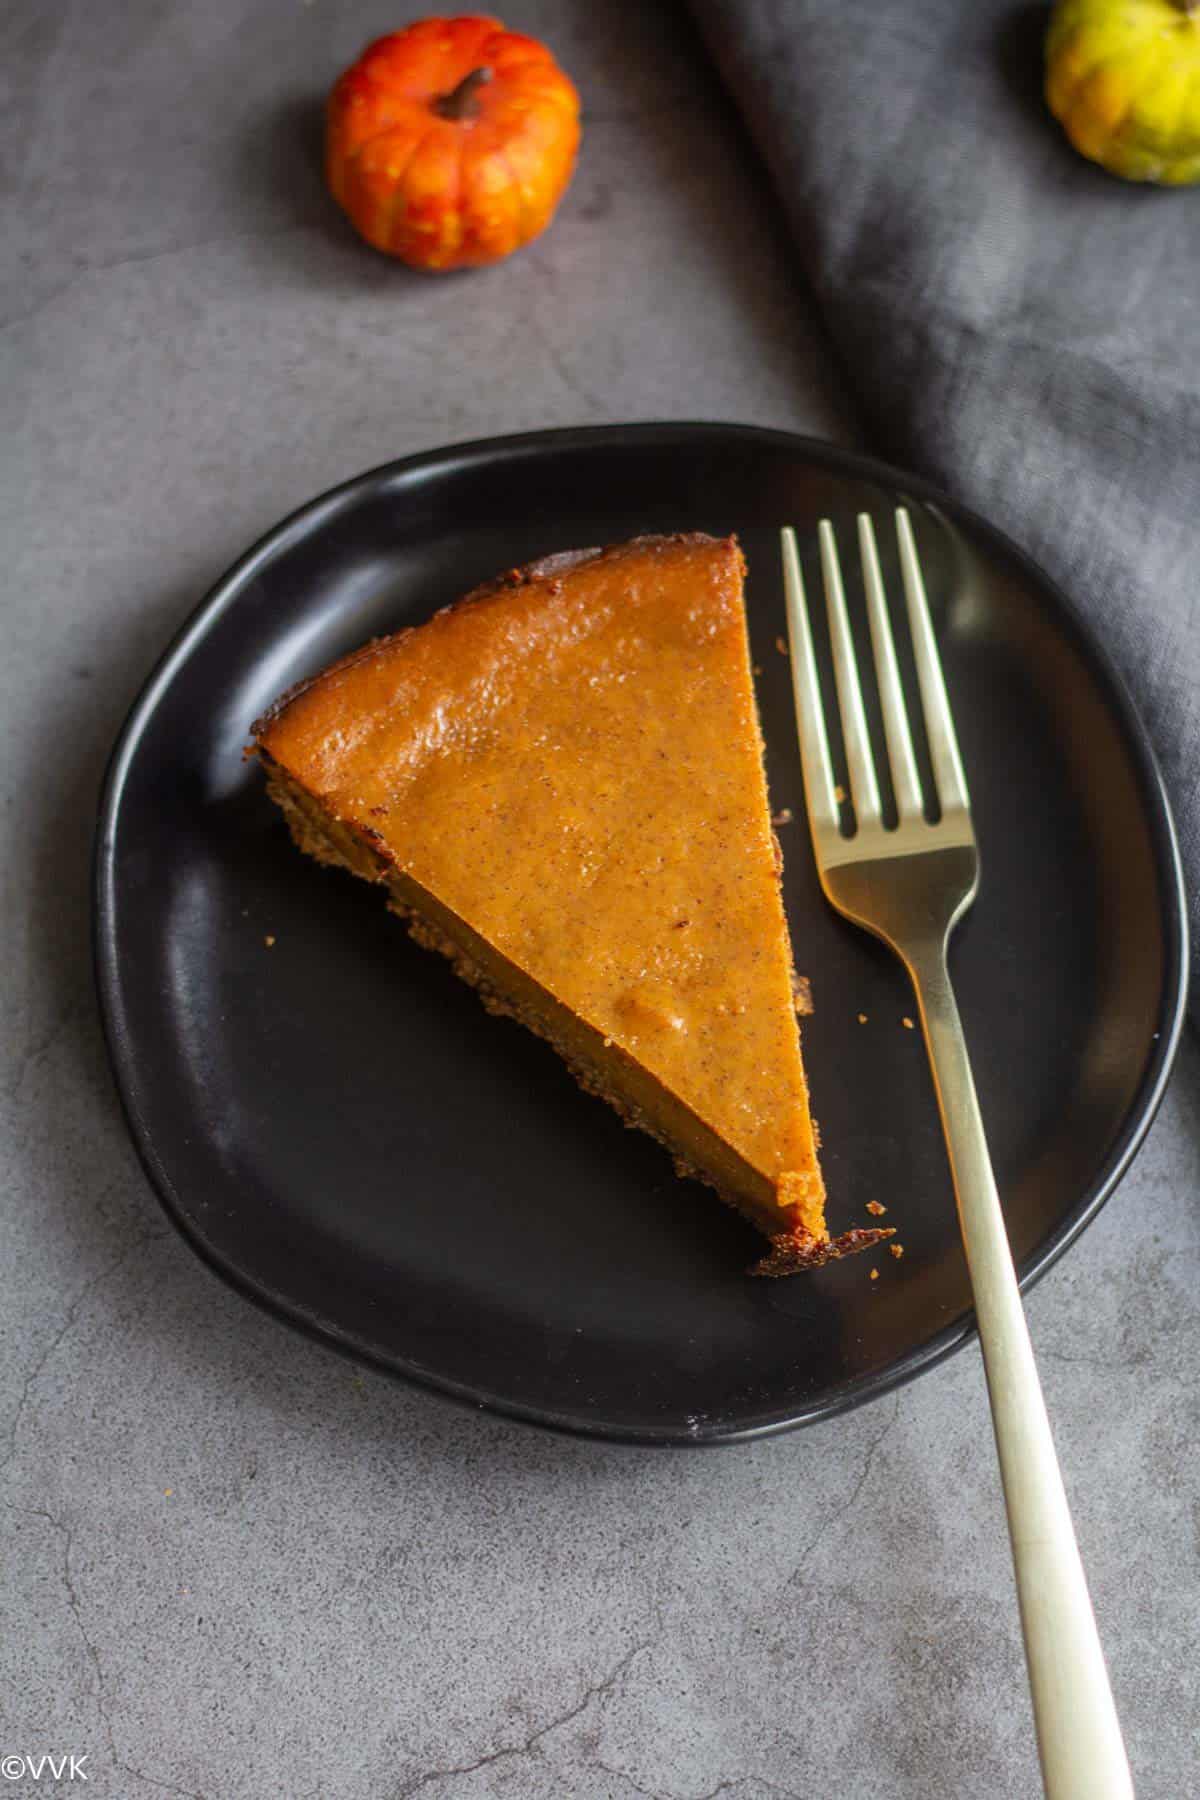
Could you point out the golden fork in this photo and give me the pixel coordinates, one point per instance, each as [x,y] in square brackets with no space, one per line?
[910,884]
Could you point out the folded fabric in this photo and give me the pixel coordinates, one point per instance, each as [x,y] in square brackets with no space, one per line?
[1015,323]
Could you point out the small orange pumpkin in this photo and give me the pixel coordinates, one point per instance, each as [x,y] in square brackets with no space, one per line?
[451,143]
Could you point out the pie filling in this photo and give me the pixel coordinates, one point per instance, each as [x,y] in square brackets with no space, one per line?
[559,781]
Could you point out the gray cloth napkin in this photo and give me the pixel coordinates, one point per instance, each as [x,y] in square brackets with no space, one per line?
[1016,324]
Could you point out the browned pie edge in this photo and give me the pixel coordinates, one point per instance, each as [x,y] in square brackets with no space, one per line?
[560,562]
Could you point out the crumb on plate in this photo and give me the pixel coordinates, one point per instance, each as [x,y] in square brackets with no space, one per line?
[877,1207]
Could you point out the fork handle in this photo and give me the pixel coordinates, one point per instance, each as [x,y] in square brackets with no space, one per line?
[1079,1736]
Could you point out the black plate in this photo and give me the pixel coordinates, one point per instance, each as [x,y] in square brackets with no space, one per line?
[304,1110]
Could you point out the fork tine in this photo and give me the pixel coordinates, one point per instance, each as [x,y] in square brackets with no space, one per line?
[905,780]
[939,725]
[806,686]
[863,785]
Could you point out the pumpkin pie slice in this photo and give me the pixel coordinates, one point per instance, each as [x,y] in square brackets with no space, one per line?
[559,782]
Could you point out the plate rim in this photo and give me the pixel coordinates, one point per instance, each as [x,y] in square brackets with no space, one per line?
[440,461]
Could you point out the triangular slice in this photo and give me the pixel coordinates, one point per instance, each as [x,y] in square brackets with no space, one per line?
[560,781]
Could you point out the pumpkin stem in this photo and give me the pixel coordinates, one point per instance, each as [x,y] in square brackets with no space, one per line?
[461,102]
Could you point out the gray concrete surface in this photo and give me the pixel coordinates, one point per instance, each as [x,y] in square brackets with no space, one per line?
[233,1565]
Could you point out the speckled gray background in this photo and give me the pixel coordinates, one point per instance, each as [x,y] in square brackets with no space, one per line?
[233,1565]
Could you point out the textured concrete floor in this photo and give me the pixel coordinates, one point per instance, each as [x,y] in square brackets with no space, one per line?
[233,1565]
